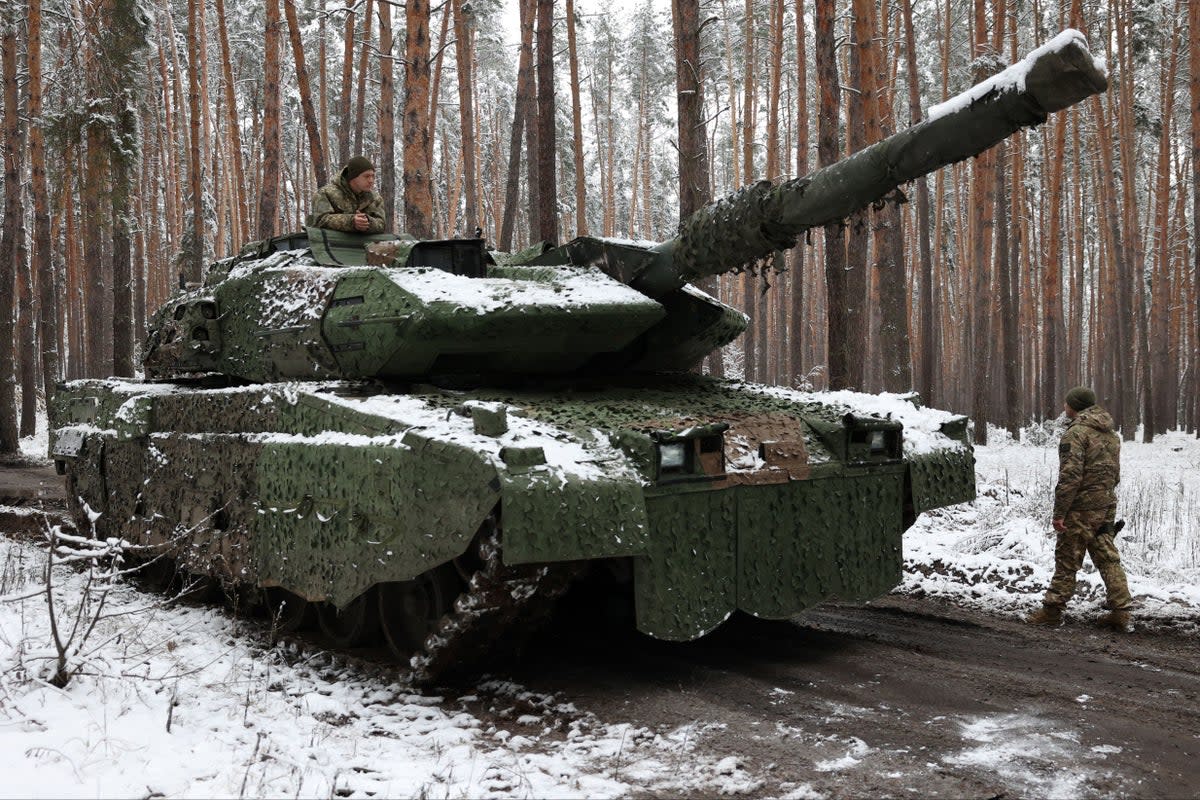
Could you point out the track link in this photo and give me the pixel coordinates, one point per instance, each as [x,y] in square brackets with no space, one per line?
[500,609]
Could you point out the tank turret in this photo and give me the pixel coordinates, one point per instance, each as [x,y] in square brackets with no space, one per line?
[312,307]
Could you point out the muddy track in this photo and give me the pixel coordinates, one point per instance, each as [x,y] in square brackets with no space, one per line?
[907,698]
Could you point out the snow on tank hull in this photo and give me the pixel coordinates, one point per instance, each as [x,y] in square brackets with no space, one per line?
[723,495]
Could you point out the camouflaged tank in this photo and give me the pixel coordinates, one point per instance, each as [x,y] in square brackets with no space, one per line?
[429,442]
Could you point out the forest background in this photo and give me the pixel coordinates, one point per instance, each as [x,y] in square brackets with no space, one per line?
[144,138]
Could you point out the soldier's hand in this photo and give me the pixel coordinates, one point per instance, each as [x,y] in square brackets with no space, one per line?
[1059,524]
[361,222]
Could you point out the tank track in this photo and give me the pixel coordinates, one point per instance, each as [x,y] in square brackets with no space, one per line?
[500,609]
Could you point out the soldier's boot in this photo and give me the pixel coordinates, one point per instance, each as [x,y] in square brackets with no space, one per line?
[1046,616]
[1117,620]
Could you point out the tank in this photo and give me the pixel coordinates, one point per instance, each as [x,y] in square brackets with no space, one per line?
[428,442]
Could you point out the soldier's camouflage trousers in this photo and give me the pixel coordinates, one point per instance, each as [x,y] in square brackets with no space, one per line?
[1080,537]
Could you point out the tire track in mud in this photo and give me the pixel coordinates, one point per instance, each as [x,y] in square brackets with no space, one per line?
[904,697]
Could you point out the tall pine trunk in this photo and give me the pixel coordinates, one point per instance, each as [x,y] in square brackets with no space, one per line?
[364,62]
[233,127]
[521,105]
[840,347]
[752,338]
[43,262]
[9,441]
[797,319]
[1194,107]
[195,255]
[577,125]
[311,123]
[546,141]
[927,346]
[466,114]
[387,118]
[861,79]
[268,199]
[418,141]
[344,127]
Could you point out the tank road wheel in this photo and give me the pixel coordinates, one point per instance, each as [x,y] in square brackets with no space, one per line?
[410,610]
[286,612]
[352,625]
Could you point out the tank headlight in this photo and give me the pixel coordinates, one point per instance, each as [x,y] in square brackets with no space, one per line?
[672,456]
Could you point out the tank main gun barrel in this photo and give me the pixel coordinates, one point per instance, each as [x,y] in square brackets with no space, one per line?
[746,227]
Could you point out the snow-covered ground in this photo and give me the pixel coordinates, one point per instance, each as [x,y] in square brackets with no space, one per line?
[998,552]
[183,701]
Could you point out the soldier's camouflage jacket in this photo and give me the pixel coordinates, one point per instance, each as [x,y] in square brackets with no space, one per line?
[1089,464]
[335,204]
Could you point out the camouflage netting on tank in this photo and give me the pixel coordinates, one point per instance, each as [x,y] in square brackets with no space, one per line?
[767,550]
[735,230]
[326,489]
[942,478]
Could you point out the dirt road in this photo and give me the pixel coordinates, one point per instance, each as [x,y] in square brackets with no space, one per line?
[906,698]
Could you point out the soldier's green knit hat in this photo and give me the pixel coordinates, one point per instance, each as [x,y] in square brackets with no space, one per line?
[357,166]
[1081,397]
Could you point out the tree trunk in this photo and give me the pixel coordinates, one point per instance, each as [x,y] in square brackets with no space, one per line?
[890,274]
[840,348]
[463,29]
[323,77]
[693,141]
[311,123]
[195,254]
[797,319]
[1052,324]
[435,94]
[122,260]
[927,344]
[1016,401]
[577,124]
[1156,412]
[1134,251]
[521,107]
[861,79]
[735,127]
[774,341]
[774,80]
[363,64]
[418,142]
[983,193]
[546,143]
[9,440]
[43,263]
[268,199]
[1194,113]
[76,366]
[1125,379]
[752,338]
[344,129]
[387,119]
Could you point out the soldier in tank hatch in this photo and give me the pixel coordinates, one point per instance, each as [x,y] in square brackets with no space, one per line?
[1085,505]
[348,203]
